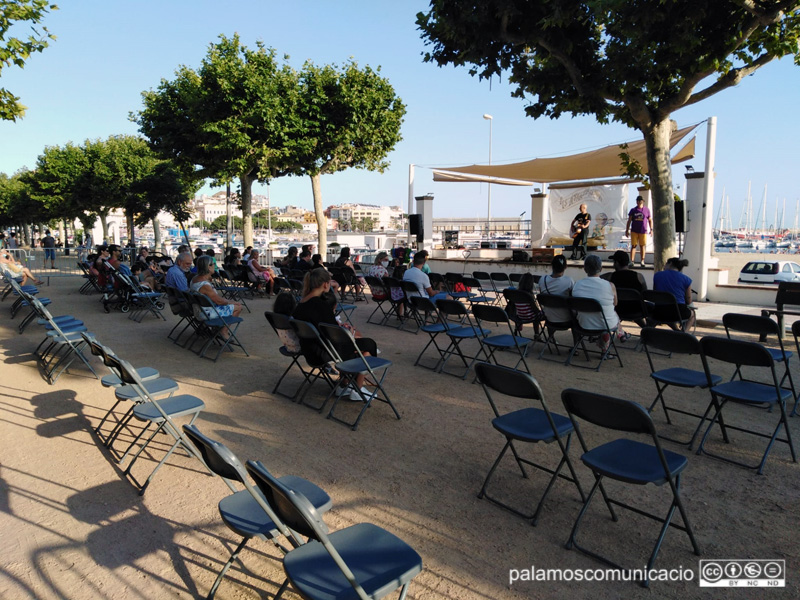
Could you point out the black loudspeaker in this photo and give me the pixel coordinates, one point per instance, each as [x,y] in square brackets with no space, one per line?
[681,222]
[414,224]
[520,256]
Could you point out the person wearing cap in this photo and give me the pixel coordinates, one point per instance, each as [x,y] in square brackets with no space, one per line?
[639,223]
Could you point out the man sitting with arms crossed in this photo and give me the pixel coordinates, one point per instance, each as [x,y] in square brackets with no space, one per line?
[176,276]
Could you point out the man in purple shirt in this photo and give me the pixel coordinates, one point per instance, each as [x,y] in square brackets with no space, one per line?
[639,223]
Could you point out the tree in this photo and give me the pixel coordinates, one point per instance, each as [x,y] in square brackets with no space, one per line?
[287,226]
[233,118]
[351,119]
[631,61]
[202,224]
[221,222]
[16,50]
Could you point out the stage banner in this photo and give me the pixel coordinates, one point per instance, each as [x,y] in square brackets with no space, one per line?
[607,204]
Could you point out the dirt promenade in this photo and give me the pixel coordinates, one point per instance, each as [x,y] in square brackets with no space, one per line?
[74,527]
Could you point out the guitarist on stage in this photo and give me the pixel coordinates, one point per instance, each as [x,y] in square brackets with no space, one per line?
[579,230]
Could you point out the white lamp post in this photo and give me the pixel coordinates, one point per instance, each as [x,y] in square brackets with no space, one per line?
[489,185]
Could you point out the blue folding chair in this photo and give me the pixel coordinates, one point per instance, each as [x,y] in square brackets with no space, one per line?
[627,461]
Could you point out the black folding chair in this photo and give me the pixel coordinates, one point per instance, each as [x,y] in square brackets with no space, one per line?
[746,392]
[557,317]
[627,461]
[664,309]
[530,425]
[360,561]
[796,334]
[320,359]
[453,310]
[684,344]
[491,344]
[764,327]
[246,511]
[352,364]
[592,310]
[215,326]
[486,287]
[631,307]
[380,296]
[279,323]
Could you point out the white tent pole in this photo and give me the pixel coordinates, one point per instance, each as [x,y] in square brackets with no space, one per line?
[410,199]
[708,207]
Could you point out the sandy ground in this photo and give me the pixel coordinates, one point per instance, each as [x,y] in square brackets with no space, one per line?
[74,526]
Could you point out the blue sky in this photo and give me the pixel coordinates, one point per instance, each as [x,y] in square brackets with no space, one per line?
[107,53]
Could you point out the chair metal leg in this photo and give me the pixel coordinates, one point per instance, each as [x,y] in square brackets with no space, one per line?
[234,555]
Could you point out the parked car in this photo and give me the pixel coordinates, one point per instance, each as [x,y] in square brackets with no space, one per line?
[769,271]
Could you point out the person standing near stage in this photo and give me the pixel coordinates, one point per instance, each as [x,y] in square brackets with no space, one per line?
[639,223]
[49,245]
[579,230]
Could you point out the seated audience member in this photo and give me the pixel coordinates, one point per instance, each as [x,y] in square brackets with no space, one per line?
[315,309]
[233,258]
[285,305]
[177,275]
[262,274]
[99,265]
[592,286]
[153,276]
[144,252]
[137,271]
[380,270]
[623,276]
[425,267]
[210,252]
[525,312]
[9,263]
[290,259]
[344,262]
[316,262]
[246,255]
[672,280]
[557,284]
[198,252]
[421,280]
[201,283]
[303,261]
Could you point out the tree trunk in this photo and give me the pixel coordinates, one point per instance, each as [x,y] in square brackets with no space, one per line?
[157,235]
[659,169]
[131,230]
[62,231]
[104,225]
[246,182]
[322,221]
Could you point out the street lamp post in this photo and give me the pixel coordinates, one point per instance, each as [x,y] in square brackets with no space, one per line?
[489,118]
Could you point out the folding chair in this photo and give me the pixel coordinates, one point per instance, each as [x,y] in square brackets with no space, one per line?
[430,323]
[374,367]
[345,310]
[380,296]
[456,287]
[684,344]
[246,511]
[318,356]
[530,425]
[796,334]
[453,309]
[113,380]
[160,413]
[631,307]
[61,346]
[215,326]
[437,282]
[486,287]
[500,281]
[590,308]
[518,297]
[504,341]
[142,300]
[557,317]
[746,392]
[280,322]
[763,327]
[478,297]
[232,290]
[182,309]
[664,309]
[627,461]
[410,290]
[390,283]
[360,561]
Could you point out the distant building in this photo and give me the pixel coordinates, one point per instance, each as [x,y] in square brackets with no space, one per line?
[383,217]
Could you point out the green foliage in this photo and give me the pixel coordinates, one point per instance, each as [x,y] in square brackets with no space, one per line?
[16,50]
[287,226]
[221,223]
[202,224]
